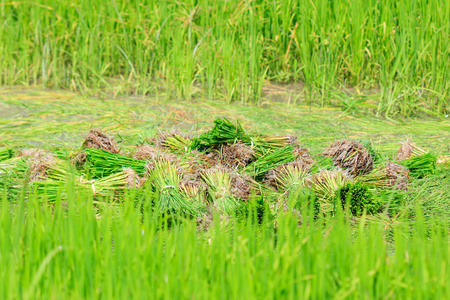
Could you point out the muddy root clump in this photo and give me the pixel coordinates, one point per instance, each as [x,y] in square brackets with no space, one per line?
[133,179]
[100,140]
[241,185]
[351,156]
[236,155]
[39,163]
[398,176]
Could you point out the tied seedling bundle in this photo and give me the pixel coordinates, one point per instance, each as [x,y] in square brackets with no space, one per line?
[165,180]
[420,166]
[224,131]
[6,153]
[103,163]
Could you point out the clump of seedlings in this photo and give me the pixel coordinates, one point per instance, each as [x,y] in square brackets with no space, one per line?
[224,131]
[325,185]
[351,156]
[358,198]
[420,166]
[6,153]
[173,140]
[219,184]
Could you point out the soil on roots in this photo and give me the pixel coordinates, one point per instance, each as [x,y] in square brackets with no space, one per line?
[351,156]
[39,163]
[398,176]
[100,140]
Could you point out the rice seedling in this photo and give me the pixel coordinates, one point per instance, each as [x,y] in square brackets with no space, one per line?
[5,154]
[103,163]
[409,149]
[224,131]
[263,144]
[177,143]
[325,185]
[165,179]
[420,166]
[271,160]
[97,139]
[358,198]
[219,190]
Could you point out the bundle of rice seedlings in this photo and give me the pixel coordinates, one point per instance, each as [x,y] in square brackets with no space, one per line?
[350,155]
[191,184]
[108,186]
[12,175]
[387,175]
[95,139]
[266,144]
[359,198]
[223,131]
[219,190]
[376,177]
[6,153]
[174,140]
[326,183]
[420,166]
[166,180]
[286,177]
[262,165]
[409,149]
[102,163]
[303,158]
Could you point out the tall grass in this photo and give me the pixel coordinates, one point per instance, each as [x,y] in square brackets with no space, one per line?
[227,49]
[73,251]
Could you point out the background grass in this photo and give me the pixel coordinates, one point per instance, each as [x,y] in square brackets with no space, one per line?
[342,52]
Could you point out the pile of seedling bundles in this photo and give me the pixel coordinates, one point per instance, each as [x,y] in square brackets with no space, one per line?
[224,170]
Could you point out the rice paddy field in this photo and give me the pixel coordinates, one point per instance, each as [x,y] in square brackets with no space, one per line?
[224,149]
